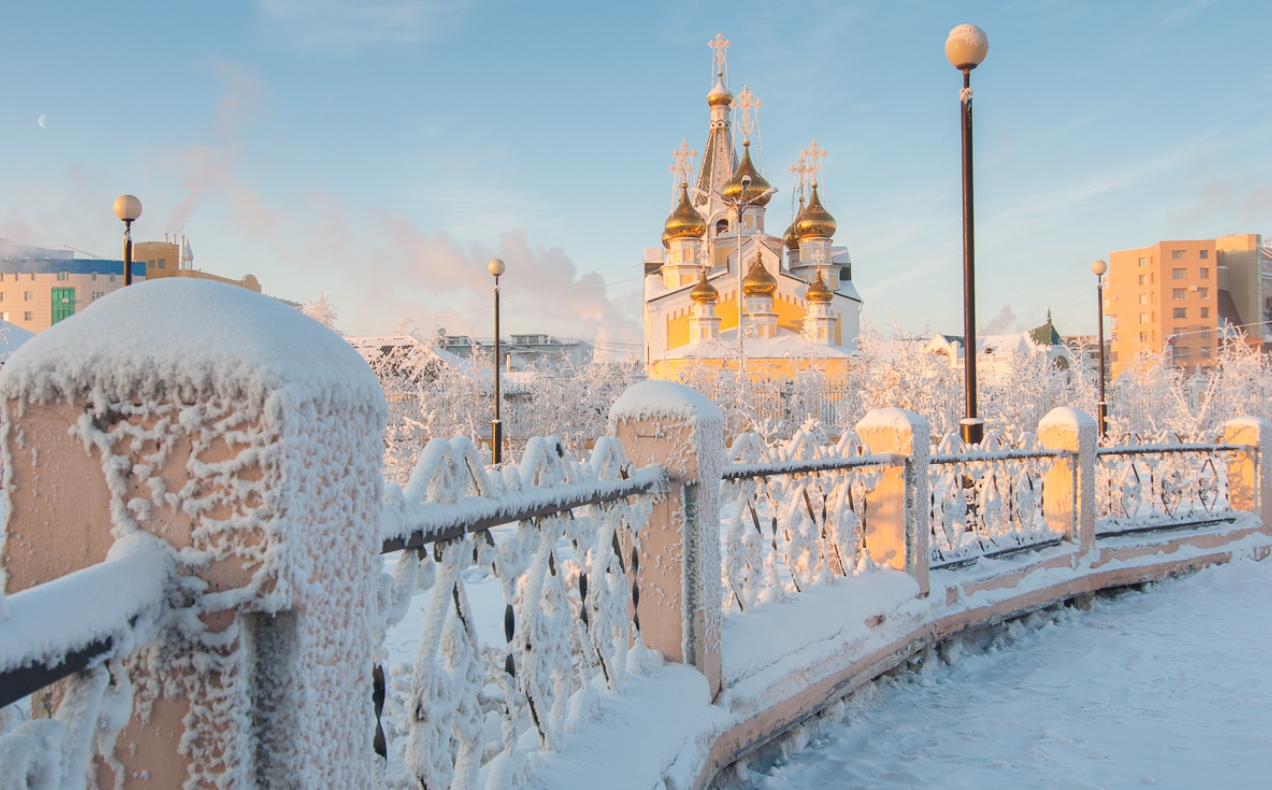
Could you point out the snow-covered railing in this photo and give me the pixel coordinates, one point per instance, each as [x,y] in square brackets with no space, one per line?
[811,496]
[987,500]
[455,716]
[78,626]
[1163,486]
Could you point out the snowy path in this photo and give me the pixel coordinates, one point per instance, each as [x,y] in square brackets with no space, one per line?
[1170,688]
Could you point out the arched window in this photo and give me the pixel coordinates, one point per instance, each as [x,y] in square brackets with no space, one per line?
[722,227]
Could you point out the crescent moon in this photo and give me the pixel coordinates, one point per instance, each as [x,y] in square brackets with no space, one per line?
[40,121]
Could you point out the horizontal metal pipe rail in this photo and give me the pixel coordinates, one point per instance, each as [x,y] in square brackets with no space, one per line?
[996,455]
[1152,449]
[777,468]
[452,521]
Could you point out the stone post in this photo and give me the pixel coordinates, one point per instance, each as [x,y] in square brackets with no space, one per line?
[1250,474]
[898,511]
[1068,488]
[247,437]
[678,577]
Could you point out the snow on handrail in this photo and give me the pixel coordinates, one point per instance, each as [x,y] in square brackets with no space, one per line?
[434,522]
[798,467]
[85,617]
[974,456]
[1195,447]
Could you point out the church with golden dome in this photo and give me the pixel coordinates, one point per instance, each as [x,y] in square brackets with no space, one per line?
[719,272]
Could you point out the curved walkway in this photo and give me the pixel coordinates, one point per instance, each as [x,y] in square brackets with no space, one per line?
[1172,688]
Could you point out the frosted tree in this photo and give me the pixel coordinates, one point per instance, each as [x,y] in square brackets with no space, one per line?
[322,310]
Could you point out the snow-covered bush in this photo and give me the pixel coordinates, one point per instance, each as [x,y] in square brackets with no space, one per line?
[431,395]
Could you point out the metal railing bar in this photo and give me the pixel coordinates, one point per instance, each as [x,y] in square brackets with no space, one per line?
[1166,527]
[778,468]
[478,515]
[996,455]
[1200,447]
[24,681]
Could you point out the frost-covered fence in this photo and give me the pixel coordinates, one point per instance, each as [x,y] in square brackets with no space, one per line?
[455,715]
[987,500]
[1172,484]
[793,515]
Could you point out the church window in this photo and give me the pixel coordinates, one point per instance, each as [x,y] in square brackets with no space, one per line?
[722,227]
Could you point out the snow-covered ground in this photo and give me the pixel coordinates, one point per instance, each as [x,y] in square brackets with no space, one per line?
[1171,687]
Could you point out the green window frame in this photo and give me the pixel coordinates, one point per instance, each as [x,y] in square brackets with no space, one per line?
[63,303]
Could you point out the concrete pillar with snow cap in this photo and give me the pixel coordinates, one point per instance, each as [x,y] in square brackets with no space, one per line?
[898,515]
[1068,487]
[678,577]
[1250,473]
[248,437]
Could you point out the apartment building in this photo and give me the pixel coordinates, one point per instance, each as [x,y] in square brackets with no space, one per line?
[1174,296]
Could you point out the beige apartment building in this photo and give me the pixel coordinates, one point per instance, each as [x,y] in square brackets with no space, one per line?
[1174,295]
[39,287]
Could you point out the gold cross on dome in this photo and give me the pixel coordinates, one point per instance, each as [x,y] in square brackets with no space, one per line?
[719,55]
[684,156]
[815,154]
[750,107]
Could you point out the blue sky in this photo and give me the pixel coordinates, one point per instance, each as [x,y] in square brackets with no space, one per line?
[381,151]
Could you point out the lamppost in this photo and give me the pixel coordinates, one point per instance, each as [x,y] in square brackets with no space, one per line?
[1098,269]
[127,208]
[966,47]
[496,268]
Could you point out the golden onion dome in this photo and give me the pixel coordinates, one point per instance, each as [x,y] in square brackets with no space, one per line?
[758,280]
[666,239]
[704,291]
[814,219]
[685,221]
[719,95]
[790,239]
[733,190]
[818,292]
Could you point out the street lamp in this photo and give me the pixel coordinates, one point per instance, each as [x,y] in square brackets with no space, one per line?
[127,208]
[496,268]
[1098,269]
[966,47]
[739,205]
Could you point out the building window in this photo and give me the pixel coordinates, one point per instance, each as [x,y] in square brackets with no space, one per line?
[1205,312]
[1204,332]
[1113,356]
[1143,337]
[4,316]
[98,295]
[1144,299]
[1143,279]
[722,227]
[1205,352]
[28,316]
[1205,254]
[62,276]
[28,296]
[1143,261]
[1176,255]
[1178,274]
[32,276]
[1181,353]
[2,297]
[162,261]
[1180,331]
[1143,318]
[1179,293]
[1204,293]
[112,278]
[1180,312]
[93,276]
[1204,273]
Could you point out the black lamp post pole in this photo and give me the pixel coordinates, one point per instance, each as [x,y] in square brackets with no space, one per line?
[1104,407]
[971,428]
[128,251]
[496,426]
